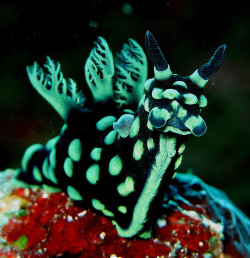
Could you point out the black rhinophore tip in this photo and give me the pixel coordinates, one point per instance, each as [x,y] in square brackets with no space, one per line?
[214,64]
[154,52]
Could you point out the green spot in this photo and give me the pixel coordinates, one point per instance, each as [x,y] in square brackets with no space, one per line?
[138,150]
[146,234]
[52,158]
[158,117]
[178,163]
[115,166]
[148,83]
[73,193]
[28,154]
[182,112]
[68,167]
[105,122]
[51,189]
[122,209]
[150,144]
[75,150]
[182,148]
[108,213]
[190,99]
[37,174]
[175,104]
[171,94]
[64,127]
[96,154]
[157,93]
[196,125]
[93,174]
[149,126]
[110,138]
[202,101]
[174,175]
[135,128]
[52,175]
[146,105]
[45,168]
[98,205]
[127,187]
[52,143]
[180,83]
[21,242]
[142,101]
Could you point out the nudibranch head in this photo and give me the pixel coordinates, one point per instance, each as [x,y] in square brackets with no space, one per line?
[174,103]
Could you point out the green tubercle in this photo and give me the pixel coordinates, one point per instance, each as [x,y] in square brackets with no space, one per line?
[178,163]
[105,123]
[96,154]
[68,167]
[135,128]
[138,150]
[28,154]
[75,150]
[37,174]
[52,158]
[115,166]
[110,138]
[190,99]
[127,187]
[98,205]
[171,94]
[122,209]
[73,193]
[45,168]
[93,173]
[202,101]
[52,143]
[157,93]
[51,189]
[108,213]
[150,144]
[180,83]
[148,83]
[52,175]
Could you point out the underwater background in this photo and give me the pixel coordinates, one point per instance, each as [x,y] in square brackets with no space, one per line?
[187,31]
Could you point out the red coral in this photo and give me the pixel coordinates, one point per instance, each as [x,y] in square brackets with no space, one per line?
[53,226]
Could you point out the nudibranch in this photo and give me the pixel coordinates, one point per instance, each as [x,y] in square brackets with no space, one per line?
[114,160]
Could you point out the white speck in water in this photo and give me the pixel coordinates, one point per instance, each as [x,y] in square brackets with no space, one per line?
[127,8]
